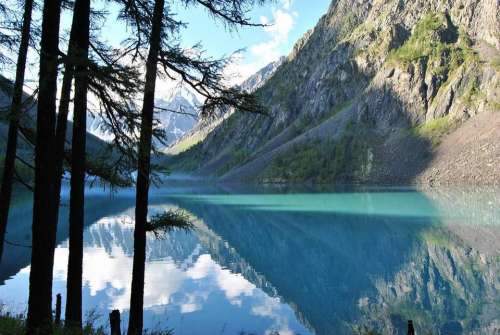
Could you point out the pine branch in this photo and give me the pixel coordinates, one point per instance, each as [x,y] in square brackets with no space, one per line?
[161,224]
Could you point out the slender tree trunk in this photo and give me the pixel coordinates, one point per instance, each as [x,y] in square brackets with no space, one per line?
[62,123]
[143,169]
[15,111]
[44,227]
[77,197]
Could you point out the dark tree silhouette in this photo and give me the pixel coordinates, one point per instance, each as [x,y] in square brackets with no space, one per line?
[14,115]
[62,119]
[154,28]
[135,324]
[39,316]
[73,315]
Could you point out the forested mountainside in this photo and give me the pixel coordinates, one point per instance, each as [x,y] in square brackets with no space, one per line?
[95,146]
[379,91]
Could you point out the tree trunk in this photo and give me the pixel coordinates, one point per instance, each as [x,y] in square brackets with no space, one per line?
[73,316]
[62,122]
[15,111]
[143,178]
[44,227]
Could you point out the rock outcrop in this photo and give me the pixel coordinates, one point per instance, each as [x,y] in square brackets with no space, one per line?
[378,91]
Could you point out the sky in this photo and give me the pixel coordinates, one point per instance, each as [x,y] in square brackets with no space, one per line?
[287,21]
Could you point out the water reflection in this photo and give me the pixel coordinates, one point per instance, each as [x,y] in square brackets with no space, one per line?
[297,262]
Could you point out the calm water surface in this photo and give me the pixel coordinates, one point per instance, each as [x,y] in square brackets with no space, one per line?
[293,261]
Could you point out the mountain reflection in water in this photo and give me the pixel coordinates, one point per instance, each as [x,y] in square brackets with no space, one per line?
[292,261]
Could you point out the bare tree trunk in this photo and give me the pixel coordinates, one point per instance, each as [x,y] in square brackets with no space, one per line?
[77,196]
[15,111]
[143,170]
[44,227]
[62,123]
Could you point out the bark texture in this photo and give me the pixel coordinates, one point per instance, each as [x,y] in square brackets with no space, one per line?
[44,227]
[15,112]
[81,25]
[143,176]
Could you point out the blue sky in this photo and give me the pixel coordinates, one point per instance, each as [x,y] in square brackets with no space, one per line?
[289,20]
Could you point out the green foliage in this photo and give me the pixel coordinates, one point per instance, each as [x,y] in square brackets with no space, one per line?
[15,325]
[495,105]
[473,93]
[115,175]
[364,331]
[322,161]
[163,223]
[281,85]
[238,157]
[436,238]
[23,171]
[436,39]
[423,41]
[303,123]
[187,143]
[335,110]
[435,130]
[193,158]
[190,159]
[495,62]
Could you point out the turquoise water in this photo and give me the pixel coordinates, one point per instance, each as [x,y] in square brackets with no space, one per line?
[289,260]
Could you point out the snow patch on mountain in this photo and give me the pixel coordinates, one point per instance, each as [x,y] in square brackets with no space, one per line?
[177,114]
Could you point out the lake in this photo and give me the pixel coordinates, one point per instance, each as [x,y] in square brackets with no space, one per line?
[289,260]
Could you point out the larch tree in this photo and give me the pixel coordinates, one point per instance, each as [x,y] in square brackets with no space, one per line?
[155,31]
[14,115]
[112,84]
[81,33]
[39,317]
[143,171]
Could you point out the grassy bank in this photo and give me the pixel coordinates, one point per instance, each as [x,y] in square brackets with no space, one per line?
[15,325]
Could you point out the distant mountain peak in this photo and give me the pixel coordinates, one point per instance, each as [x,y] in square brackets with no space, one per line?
[181,92]
[259,78]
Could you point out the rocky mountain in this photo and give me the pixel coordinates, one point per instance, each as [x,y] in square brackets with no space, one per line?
[257,80]
[205,126]
[379,91]
[175,124]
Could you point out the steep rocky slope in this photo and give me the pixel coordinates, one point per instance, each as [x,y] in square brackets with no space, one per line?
[175,125]
[378,91]
[205,126]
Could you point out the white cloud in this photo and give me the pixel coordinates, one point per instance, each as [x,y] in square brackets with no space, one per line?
[272,308]
[278,31]
[171,289]
[286,4]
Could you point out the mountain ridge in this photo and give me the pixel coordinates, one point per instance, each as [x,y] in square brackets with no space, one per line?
[204,126]
[174,124]
[371,94]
